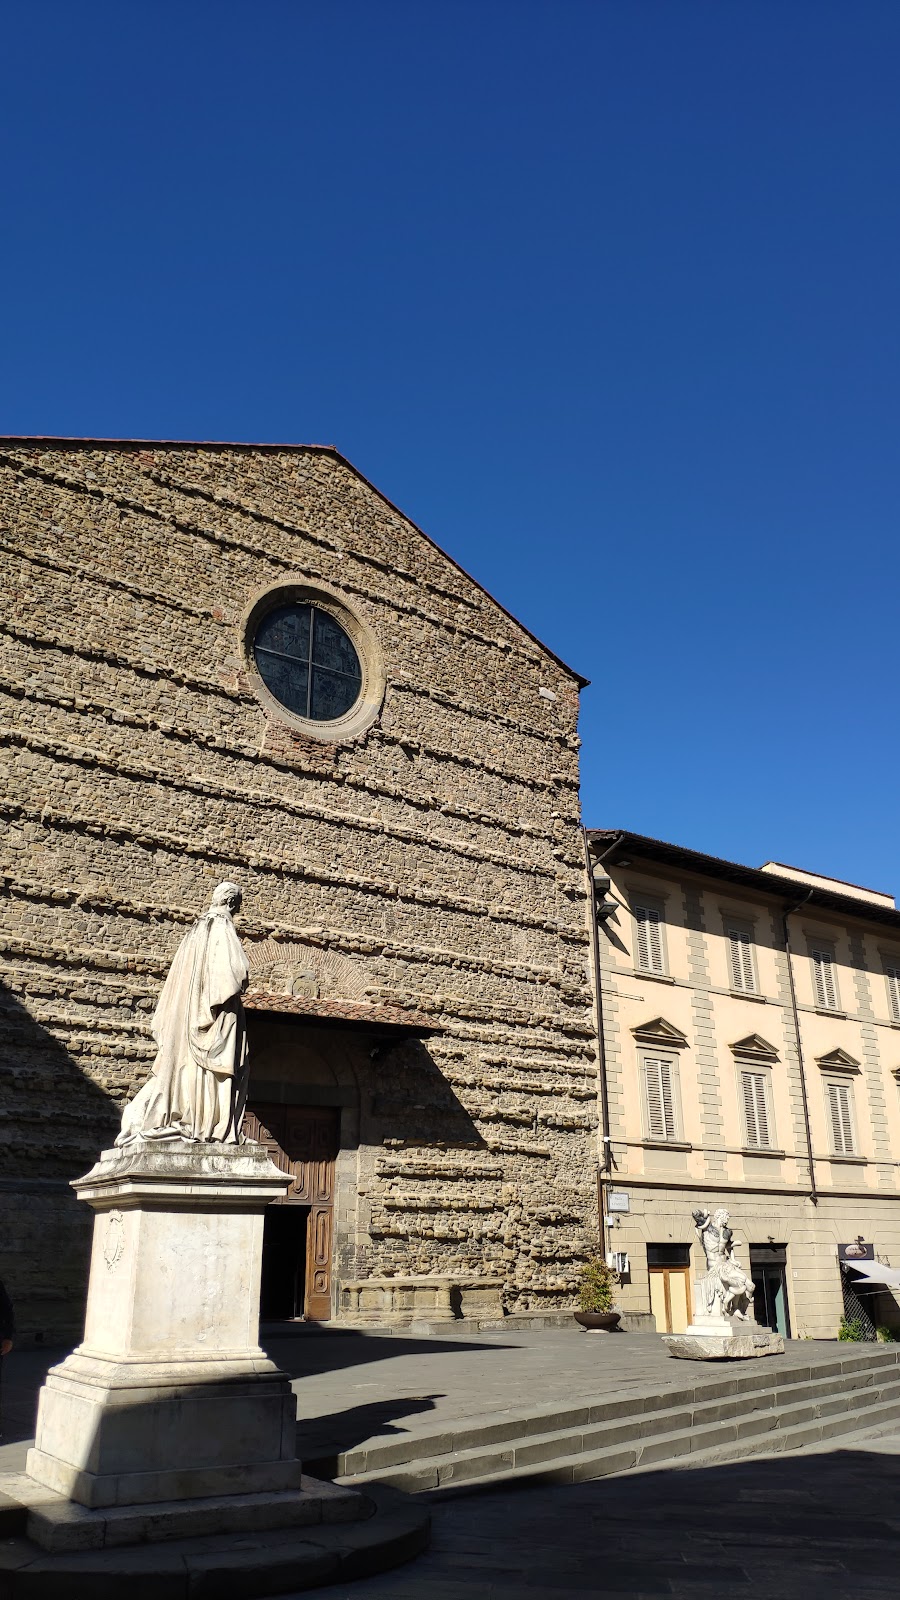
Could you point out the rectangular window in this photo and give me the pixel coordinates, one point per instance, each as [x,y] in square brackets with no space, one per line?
[892,974]
[650,955]
[840,1118]
[659,1097]
[740,955]
[757,1123]
[824,978]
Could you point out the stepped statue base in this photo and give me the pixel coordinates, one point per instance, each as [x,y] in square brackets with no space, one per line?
[718,1338]
[169,1396]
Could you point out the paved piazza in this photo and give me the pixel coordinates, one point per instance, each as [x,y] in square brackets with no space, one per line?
[822,1522]
[353,1387]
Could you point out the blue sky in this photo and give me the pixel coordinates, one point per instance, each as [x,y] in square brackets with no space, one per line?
[604,295]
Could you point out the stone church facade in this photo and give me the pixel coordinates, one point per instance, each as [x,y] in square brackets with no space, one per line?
[242,662]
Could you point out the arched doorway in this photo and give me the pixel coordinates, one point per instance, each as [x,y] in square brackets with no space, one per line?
[303,1105]
[313,1064]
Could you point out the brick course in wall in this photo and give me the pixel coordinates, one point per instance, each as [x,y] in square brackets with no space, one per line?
[437,855]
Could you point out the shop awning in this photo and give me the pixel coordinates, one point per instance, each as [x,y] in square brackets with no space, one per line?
[360,1015]
[874,1272]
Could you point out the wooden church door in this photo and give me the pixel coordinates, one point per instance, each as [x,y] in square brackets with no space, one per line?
[303,1142]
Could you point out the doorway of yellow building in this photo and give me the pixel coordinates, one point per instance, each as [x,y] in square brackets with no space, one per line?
[669,1266]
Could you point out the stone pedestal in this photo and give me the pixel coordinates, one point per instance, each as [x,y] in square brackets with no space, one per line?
[169,1396]
[713,1337]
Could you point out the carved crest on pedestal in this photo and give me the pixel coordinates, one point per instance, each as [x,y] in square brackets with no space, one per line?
[114,1238]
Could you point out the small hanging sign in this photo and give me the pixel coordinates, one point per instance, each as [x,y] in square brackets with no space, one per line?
[857,1251]
[616,1200]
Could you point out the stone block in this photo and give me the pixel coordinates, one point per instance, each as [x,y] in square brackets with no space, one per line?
[236,1574]
[410,1301]
[494,1461]
[664,1448]
[613,1461]
[716,1347]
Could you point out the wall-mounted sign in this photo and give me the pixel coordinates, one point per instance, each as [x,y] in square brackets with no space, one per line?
[617,1201]
[857,1251]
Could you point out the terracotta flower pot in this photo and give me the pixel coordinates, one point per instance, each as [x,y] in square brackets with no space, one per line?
[598,1321]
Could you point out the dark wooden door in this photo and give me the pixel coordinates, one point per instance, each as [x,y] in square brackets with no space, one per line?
[303,1142]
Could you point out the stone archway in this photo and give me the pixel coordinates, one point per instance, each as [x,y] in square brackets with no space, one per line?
[303,970]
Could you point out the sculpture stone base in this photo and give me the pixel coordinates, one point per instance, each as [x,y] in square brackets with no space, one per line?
[737,1344]
[170,1397]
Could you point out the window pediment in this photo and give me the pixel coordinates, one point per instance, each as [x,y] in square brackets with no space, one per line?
[660,1032]
[838,1061]
[754,1048]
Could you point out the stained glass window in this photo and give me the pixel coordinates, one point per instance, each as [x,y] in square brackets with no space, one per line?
[308,662]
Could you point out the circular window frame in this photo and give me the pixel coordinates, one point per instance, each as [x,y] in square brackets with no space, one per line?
[368,703]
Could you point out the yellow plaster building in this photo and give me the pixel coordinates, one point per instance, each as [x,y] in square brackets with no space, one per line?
[749,1024]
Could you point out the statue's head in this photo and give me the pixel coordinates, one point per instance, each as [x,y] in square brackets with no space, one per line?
[721,1218]
[227,894]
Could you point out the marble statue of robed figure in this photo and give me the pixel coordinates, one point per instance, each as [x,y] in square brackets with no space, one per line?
[197,1088]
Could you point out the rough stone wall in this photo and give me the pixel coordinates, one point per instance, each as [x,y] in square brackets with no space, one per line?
[439,851]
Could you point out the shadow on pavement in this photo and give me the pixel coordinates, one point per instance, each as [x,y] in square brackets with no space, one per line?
[305,1351]
[790,1527]
[320,1440]
[308,1352]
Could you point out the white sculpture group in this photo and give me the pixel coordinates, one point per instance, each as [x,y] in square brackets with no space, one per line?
[726,1290]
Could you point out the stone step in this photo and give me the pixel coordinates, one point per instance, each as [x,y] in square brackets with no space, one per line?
[764,1386]
[761,1434]
[57,1524]
[685,1450]
[223,1567]
[602,1443]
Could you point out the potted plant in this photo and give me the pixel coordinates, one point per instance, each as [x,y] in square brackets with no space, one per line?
[595,1297]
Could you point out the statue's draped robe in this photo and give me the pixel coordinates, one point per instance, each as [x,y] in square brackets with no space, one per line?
[198,1085]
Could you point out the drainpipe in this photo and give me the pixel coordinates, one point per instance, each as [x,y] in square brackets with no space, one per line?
[789,912]
[605,1163]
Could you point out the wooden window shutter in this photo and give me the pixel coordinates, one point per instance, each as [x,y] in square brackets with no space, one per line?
[756,1112]
[826,989]
[741,961]
[893,983]
[841,1123]
[649,939]
[660,1097]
